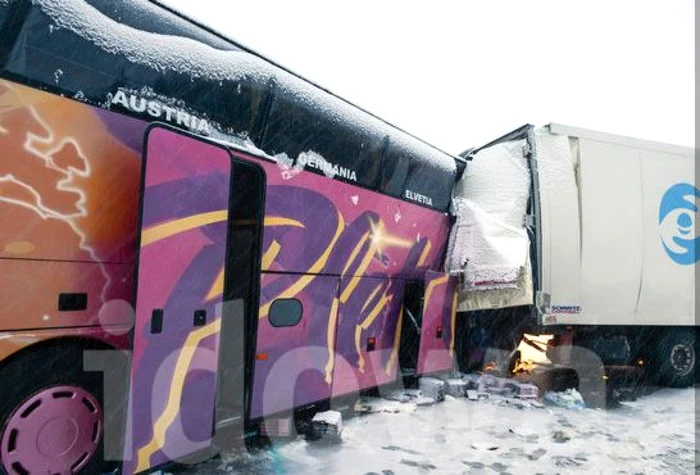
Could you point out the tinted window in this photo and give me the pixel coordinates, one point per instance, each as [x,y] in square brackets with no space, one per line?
[349,152]
[9,12]
[64,61]
[429,184]
[394,172]
[416,175]
[285,313]
[5,9]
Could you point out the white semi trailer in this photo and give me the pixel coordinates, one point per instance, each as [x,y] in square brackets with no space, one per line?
[610,224]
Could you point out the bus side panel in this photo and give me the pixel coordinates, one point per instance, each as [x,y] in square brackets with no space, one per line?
[316,223]
[368,333]
[70,178]
[31,294]
[293,364]
[68,205]
[438,329]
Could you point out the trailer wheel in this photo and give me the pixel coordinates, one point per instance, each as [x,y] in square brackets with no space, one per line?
[51,417]
[677,353]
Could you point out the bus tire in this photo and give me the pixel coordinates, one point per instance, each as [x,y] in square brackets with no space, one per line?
[51,416]
[677,358]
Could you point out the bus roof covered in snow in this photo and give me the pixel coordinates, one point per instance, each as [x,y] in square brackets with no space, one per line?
[144,60]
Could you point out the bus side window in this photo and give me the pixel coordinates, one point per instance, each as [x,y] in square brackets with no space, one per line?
[394,172]
[339,147]
[72,64]
[8,10]
[285,312]
[428,184]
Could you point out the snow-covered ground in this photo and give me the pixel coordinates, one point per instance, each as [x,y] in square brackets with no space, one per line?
[655,434]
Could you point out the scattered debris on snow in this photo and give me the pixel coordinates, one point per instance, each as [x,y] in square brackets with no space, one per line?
[327,426]
[433,388]
[569,399]
[374,405]
[655,434]
[484,446]
[559,436]
[456,387]
[522,390]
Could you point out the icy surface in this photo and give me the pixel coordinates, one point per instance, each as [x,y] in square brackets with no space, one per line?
[655,434]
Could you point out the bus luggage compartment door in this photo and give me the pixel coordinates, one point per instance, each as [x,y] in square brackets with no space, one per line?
[437,336]
[183,244]
[367,335]
[294,351]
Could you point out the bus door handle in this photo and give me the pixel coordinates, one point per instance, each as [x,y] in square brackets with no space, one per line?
[371,343]
[200,318]
[157,321]
[438,332]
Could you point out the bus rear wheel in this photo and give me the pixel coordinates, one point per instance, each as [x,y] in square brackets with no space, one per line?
[51,420]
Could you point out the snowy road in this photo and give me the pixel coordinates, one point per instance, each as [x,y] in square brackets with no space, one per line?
[655,434]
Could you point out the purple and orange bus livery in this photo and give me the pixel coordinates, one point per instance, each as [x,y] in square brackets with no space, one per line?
[250,253]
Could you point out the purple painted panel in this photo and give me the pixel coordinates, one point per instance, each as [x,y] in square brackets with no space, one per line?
[293,365]
[183,245]
[368,333]
[314,225]
[326,226]
[436,351]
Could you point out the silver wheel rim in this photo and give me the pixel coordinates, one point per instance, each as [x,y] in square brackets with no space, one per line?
[682,359]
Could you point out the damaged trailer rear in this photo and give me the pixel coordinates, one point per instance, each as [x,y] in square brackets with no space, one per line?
[584,235]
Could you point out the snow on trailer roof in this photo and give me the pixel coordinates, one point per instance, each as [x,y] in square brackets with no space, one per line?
[167,53]
[671,149]
[577,132]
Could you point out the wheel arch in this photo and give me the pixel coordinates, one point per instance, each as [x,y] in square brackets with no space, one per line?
[63,342]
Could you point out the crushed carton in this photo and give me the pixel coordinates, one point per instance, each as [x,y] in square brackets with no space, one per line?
[472,380]
[493,384]
[432,388]
[327,426]
[522,390]
[456,387]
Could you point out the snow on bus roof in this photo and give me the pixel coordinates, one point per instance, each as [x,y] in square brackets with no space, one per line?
[167,53]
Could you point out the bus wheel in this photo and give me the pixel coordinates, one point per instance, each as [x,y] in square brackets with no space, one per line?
[51,418]
[677,358]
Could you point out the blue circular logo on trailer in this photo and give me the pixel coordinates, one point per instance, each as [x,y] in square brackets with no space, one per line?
[677,223]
